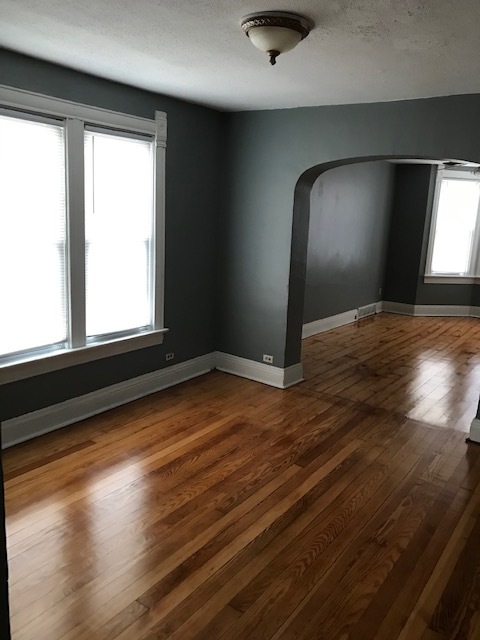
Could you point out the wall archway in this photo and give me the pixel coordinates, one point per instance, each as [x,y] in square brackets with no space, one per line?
[299,242]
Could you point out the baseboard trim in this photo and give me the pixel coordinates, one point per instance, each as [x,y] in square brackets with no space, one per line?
[341,319]
[442,310]
[399,307]
[292,375]
[435,310]
[475,430]
[258,371]
[332,322]
[367,310]
[37,423]
[348,317]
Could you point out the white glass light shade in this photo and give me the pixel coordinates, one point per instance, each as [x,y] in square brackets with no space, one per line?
[278,39]
[275,32]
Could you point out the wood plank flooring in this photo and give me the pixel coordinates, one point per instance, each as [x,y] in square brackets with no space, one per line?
[347,507]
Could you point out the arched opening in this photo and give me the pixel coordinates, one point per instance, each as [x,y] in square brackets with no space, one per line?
[299,243]
[300,239]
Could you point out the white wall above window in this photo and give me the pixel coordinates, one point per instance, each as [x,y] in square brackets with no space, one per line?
[103,294]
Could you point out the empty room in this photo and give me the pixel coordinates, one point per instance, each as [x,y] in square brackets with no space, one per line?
[239,320]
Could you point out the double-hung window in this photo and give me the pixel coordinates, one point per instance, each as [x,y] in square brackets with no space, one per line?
[453,253]
[81,233]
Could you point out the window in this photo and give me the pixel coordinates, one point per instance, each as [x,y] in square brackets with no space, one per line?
[81,233]
[454,237]
[118,233]
[32,235]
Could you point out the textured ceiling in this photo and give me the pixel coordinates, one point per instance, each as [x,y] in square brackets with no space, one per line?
[360,50]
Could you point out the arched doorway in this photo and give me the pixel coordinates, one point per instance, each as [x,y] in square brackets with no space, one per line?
[299,243]
[300,236]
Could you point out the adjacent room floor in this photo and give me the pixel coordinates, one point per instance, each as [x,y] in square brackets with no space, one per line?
[345,507]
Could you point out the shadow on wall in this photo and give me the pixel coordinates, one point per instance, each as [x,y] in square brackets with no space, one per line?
[350,211]
[298,311]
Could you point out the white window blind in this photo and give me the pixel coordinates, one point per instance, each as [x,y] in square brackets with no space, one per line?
[119,222]
[455,225]
[32,235]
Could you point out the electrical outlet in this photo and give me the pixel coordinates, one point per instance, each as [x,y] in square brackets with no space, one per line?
[169,356]
[380,291]
[267,358]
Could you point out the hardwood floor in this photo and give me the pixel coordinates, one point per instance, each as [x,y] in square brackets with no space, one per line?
[345,507]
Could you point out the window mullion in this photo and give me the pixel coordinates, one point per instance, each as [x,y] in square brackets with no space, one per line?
[76,231]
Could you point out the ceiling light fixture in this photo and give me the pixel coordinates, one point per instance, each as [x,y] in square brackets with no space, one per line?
[275,32]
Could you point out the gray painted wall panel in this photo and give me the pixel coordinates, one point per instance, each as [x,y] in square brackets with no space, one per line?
[475,301]
[350,211]
[407,232]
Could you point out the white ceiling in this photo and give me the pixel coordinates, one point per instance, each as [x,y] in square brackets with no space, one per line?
[360,50]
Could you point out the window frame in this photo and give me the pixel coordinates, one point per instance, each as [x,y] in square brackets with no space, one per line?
[473,274]
[77,118]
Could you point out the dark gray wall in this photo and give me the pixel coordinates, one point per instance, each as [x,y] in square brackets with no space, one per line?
[350,211]
[407,232]
[274,158]
[195,160]
[475,301]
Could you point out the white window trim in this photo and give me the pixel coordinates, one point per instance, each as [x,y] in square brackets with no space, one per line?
[440,279]
[75,115]
[452,278]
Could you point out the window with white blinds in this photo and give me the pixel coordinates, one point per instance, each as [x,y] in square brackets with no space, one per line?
[455,230]
[81,233]
[32,235]
[118,232]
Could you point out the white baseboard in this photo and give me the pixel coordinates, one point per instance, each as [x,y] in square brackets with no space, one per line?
[341,319]
[60,415]
[475,430]
[326,324]
[333,322]
[437,310]
[367,310]
[258,371]
[442,310]
[292,375]
[399,307]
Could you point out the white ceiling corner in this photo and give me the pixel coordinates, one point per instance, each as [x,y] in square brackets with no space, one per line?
[360,50]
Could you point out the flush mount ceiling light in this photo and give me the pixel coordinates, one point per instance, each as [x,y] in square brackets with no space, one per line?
[275,32]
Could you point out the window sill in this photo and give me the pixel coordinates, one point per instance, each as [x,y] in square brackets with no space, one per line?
[39,365]
[434,279]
